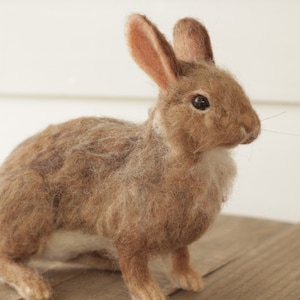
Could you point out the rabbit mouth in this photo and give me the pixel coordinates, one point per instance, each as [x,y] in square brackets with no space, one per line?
[244,137]
[249,137]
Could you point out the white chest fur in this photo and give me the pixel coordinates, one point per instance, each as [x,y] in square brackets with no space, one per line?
[220,169]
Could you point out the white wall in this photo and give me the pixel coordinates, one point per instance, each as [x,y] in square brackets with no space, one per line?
[63,59]
[78,47]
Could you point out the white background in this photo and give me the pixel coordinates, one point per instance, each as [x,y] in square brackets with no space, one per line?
[61,59]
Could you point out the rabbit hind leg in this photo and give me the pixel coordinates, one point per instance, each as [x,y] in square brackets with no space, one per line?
[28,282]
[25,217]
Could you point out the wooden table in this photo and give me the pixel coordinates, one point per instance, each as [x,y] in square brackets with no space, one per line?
[240,258]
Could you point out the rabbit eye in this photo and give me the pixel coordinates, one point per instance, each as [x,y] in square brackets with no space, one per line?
[200,102]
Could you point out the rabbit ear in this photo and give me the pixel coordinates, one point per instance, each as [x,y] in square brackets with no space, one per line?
[151,51]
[191,41]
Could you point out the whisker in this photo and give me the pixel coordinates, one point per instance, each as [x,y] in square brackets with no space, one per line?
[280,132]
[275,116]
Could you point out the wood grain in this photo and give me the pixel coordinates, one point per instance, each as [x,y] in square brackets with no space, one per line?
[270,270]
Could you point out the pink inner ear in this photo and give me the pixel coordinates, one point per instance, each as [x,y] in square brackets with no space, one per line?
[151,51]
[191,41]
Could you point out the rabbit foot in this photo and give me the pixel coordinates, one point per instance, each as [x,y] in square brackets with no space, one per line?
[189,280]
[148,292]
[37,289]
[137,276]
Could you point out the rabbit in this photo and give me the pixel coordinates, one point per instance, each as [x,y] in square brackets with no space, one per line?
[114,194]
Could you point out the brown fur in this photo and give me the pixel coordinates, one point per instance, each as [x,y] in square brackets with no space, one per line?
[145,189]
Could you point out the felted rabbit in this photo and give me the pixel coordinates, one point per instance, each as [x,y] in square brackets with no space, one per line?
[114,194]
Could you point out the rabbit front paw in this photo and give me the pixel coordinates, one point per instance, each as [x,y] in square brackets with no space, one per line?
[148,292]
[188,280]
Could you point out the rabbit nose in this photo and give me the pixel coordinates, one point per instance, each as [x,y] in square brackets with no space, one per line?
[249,135]
[250,127]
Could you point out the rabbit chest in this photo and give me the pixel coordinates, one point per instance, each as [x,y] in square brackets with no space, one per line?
[170,205]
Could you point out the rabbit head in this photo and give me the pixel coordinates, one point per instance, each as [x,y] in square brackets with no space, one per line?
[200,106]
